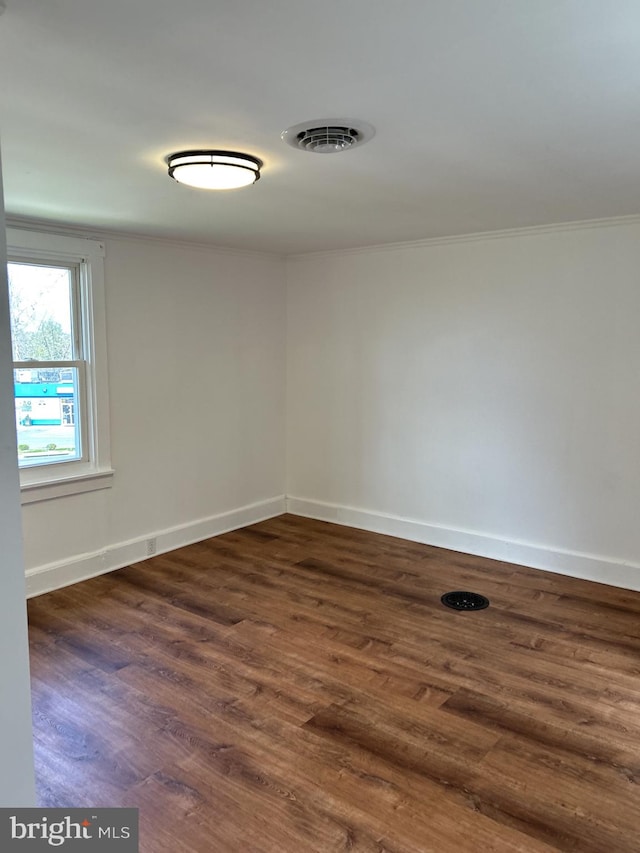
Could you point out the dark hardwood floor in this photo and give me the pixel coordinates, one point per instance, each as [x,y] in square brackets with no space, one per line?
[298,686]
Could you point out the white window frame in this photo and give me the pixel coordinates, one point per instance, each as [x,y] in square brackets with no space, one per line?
[59,479]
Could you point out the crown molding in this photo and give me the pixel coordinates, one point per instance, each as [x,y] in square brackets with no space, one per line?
[527,231]
[104,234]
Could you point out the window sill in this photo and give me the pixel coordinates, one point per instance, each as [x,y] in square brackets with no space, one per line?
[60,487]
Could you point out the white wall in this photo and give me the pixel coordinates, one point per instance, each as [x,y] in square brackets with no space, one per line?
[479,394]
[17,786]
[196,341]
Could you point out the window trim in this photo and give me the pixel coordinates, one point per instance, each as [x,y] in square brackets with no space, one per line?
[59,479]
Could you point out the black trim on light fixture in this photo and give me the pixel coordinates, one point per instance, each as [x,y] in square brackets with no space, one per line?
[210,157]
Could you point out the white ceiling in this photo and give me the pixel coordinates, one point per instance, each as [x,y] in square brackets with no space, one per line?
[489,114]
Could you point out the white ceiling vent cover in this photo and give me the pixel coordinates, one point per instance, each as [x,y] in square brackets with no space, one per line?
[328,136]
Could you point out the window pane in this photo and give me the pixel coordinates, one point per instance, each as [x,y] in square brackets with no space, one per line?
[40,303]
[47,410]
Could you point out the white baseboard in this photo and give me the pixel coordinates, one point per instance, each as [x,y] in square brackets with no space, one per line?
[572,563]
[84,566]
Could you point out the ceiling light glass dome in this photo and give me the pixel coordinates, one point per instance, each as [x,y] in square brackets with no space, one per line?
[214,170]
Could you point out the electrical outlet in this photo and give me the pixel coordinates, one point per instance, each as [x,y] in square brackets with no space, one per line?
[151,546]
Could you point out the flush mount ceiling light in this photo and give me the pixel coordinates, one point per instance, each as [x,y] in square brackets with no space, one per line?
[328,135]
[214,170]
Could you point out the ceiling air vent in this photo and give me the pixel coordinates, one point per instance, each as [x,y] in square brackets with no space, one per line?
[327,140]
[328,136]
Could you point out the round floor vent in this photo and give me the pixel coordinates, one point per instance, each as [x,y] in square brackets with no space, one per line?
[465,600]
[328,136]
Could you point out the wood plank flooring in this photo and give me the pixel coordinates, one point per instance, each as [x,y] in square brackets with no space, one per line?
[298,686]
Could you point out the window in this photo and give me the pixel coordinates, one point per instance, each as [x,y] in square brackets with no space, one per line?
[49,368]
[56,304]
